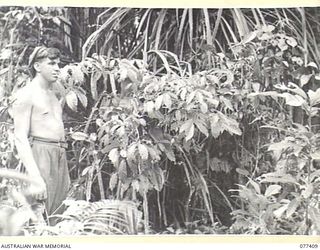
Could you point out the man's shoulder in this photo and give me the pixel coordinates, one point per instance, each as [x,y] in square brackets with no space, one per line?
[23,95]
[20,101]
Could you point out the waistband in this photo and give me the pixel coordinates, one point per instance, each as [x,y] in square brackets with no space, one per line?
[61,144]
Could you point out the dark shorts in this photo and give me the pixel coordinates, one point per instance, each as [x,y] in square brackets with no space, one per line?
[52,162]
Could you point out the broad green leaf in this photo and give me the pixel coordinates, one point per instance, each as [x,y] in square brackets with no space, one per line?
[158,102]
[167,100]
[191,96]
[132,75]
[114,155]
[293,100]
[268,28]
[203,107]
[123,74]
[255,186]
[292,42]
[315,155]
[186,126]
[314,175]
[123,153]
[279,212]
[173,96]
[167,149]
[307,192]
[154,153]
[292,207]
[113,181]
[272,190]
[190,132]
[143,151]
[214,102]
[199,96]
[314,111]
[315,217]
[202,128]
[178,115]
[242,171]
[292,87]
[134,168]
[277,149]
[249,37]
[135,185]
[144,184]
[149,106]
[5,54]
[72,100]
[314,96]
[83,99]
[157,178]
[79,136]
[285,63]
[183,93]
[216,126]
[56,20]
[231,125]
[121,131]
[265,36]
[143,122]
[287,143]
[122,171]
[226,102]
[302,163]
[95,76]
[58,88]
[86,170]
[213,79]
[304,79]
[282,45]
[313,65]
[278,178]
[256,86]
[109,146]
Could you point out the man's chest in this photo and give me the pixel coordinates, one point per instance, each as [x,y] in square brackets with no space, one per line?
[46,105]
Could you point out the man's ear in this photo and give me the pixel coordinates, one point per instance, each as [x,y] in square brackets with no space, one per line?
[36,66]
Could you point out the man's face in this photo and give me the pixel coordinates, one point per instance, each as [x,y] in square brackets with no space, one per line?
[48,68]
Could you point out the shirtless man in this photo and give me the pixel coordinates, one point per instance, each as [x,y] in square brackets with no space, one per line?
[39,131]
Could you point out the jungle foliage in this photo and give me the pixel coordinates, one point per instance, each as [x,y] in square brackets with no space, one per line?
[178,120]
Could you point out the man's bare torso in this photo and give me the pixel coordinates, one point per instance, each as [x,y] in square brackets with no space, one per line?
[46,114]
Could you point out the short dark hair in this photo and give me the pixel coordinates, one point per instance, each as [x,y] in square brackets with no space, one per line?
[39,53]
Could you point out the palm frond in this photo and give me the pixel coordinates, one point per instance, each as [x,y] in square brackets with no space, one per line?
[102,217]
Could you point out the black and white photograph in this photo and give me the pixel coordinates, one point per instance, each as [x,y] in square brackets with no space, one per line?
[159,121]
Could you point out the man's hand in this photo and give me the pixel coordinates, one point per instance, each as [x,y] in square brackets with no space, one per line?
[38,188]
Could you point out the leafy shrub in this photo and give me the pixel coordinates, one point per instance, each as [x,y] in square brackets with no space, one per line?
[105,217]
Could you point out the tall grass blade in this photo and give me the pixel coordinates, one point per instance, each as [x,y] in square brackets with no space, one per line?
[191,28]
[161,17]
[181,27]
[256,18]
[208,26]
[217,23]
[142,22]
[231,32]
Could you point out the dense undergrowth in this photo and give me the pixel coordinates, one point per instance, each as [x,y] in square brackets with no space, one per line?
[223,145]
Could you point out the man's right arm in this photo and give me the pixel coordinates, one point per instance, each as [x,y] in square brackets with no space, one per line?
[22,112]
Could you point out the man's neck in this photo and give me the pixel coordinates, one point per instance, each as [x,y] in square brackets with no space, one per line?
[41,82]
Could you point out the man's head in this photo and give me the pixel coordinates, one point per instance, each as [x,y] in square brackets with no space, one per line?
[42,57]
